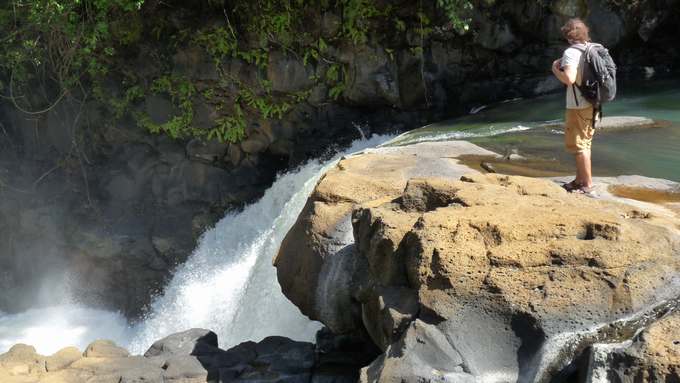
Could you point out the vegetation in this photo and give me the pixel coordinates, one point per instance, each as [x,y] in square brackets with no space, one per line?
[53,48]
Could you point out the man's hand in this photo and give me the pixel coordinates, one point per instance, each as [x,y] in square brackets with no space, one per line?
[556,65]
[566,76]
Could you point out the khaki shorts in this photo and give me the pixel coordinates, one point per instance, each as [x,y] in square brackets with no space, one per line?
[578,130]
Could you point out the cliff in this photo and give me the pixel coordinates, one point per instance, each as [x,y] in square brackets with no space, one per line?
[114,183]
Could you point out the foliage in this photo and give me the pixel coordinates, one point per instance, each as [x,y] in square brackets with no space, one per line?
[62,46]
[455,11]
[60,41]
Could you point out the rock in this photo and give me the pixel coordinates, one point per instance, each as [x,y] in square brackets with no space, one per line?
[570,8]
[423,354]
[288,74]
[372,78]
[495,35]
[104,349]
[207,151]
[159,108]
[255,144]
[488,272]
[234,154]
[606,25]
[130,369]
[22,359]
[62,359]
[194,62]
[183,343]
[324,226]
[653,356]
[184,369]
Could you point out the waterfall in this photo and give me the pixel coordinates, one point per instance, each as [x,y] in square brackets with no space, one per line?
[227,285]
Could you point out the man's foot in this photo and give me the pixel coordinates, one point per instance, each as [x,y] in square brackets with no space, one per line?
[588,190]
[571,186]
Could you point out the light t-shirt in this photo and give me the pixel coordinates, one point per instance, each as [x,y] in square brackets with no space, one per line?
[572,57]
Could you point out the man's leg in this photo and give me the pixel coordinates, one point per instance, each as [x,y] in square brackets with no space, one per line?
[584,174]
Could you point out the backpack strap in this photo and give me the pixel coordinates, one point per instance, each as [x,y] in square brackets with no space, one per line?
[579,68]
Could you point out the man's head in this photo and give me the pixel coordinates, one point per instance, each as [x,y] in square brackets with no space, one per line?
[575,31]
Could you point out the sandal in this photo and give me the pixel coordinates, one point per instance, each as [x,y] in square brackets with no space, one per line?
[572,186]
[584,190]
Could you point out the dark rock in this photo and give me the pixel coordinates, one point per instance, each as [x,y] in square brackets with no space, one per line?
[204,114]
[495,35]
[423,354]
[159,108]
[194,62]
[373,78]
[331,24]
[182,343]
[287,73]
[207,151]
[606,26]
[255,144]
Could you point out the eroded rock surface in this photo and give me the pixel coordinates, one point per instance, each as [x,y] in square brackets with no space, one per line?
[653,356]
[498,275]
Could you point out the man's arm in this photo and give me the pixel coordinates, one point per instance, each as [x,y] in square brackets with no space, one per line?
[566,76]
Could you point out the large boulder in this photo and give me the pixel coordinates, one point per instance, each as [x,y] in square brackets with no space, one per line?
[316,263]
[503,266]
[458,278]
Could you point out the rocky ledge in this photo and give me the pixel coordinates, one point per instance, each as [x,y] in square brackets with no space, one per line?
[470,277]
[192,356]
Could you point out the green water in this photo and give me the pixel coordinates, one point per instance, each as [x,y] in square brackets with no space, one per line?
[516,126]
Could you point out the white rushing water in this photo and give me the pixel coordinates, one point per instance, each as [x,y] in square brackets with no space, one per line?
[227,285]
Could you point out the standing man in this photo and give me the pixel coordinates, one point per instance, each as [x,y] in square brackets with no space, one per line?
[579,128]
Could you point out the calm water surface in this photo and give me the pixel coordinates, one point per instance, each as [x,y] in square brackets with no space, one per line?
[516,126]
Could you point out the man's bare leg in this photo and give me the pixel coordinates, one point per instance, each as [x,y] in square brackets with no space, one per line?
[584,174]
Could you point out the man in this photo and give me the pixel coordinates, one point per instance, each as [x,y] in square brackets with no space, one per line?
[579,130]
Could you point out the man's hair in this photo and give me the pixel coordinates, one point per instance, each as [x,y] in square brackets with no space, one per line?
[575,31]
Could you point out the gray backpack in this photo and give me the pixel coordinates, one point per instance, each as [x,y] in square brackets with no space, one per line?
[598,76]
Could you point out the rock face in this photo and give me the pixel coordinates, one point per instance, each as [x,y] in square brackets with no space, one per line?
[190,357]
[652,356]
[480,276]
[116,208]
[320,286]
